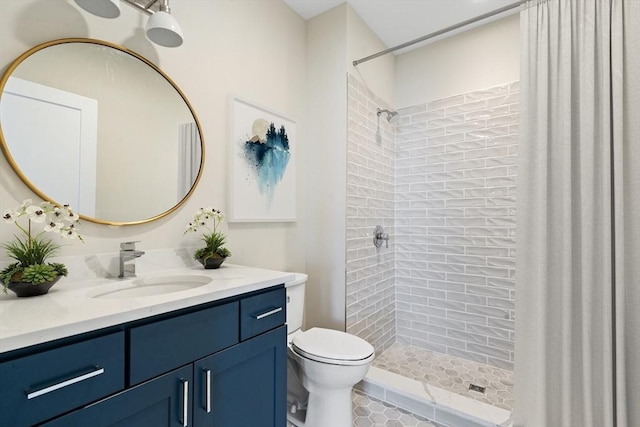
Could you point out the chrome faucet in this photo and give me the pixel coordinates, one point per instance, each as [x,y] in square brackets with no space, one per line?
[128,253]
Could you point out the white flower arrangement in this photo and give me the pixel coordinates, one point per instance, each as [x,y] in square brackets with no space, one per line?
[207,221]
[31,250]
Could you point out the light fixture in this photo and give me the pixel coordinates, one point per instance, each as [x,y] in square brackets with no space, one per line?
[101,8]
[162,28]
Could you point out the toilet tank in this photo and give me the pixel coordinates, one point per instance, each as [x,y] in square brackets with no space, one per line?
[295,302]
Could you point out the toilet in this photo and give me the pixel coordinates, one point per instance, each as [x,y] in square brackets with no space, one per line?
[323,365]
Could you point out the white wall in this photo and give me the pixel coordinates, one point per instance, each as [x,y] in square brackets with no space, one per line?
[483,57]
[254,49]
[335,39]
[376,74]
[326,169]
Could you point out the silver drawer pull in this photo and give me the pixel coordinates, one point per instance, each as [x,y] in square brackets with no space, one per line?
[185,403]
[98,371]
[207,387]
[268,313]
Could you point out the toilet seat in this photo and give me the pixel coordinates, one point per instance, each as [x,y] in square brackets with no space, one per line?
[332,347]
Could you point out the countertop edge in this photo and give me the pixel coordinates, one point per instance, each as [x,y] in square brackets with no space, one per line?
[11,340]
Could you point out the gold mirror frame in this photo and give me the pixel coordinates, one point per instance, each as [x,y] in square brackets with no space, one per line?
[5,147]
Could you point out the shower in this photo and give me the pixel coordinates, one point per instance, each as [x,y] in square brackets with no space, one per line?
[392,116]
[438,304]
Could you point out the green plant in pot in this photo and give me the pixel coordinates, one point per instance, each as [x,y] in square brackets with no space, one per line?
[207,221]
[32,275]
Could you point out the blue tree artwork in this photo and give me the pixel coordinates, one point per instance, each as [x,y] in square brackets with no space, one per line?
[267,154]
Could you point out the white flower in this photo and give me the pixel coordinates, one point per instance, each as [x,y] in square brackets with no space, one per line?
[55,227]
[69,233]
[10,216]
[52,217]
[36,214]
[67,214]
[57,213]
[208,217]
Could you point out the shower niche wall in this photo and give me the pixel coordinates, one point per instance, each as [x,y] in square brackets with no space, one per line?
[442,182]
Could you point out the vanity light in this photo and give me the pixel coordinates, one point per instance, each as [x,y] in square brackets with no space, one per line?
[102,8]
[162,28]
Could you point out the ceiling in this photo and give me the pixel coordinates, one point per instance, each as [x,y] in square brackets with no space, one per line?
[399,21]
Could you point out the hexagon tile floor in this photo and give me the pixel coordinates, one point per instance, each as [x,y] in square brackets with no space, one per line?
[371,412]
[450,373]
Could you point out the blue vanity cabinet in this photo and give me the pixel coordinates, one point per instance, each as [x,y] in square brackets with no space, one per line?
[159,346]
[164,401]
[39,386]
[217,364]
[244,385]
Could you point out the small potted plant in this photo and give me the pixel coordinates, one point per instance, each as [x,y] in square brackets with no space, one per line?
[214,253]
[31,275]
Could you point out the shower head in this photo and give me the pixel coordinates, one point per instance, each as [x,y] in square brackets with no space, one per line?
[392,116]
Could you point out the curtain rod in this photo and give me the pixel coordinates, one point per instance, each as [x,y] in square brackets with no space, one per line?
[440,32]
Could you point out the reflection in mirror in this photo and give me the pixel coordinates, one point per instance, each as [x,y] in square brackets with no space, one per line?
[96,126]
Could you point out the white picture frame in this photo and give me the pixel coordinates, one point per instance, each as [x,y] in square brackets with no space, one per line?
[262,182]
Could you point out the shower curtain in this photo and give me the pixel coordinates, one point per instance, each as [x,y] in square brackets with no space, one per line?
[189,156]
[578,234]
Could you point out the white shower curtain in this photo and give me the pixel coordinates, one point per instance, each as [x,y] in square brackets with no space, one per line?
[189,156]
[578,235]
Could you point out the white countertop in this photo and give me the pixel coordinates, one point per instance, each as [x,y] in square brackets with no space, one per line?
[71,307]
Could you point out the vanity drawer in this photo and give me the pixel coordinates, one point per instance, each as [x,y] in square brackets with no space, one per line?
[37,387]
[262,312]
[161,346]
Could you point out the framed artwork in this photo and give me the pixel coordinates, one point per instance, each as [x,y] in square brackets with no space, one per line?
[262,186]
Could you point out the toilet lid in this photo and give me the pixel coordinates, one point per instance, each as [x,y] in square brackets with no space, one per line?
[330,346]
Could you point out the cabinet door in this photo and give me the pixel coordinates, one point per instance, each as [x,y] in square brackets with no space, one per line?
[245,385]
[163,401]
[41,386]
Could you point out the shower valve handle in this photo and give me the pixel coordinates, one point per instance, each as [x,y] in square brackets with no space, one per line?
[379,235]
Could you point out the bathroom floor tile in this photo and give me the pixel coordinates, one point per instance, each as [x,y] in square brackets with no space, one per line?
[371,412]
[450,373]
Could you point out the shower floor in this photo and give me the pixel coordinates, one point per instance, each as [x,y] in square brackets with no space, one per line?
[450,373]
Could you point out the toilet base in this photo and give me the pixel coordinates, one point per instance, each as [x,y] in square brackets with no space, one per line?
[329,407]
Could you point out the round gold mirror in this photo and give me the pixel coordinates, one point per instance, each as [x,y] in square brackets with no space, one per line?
[96,126]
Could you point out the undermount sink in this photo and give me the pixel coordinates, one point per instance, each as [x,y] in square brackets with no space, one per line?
[152,286]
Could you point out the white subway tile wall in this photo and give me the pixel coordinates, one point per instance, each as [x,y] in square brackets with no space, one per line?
[442,182]
[370,202]
[455,225]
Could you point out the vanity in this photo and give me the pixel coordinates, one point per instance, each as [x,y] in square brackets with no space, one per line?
[214,355]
